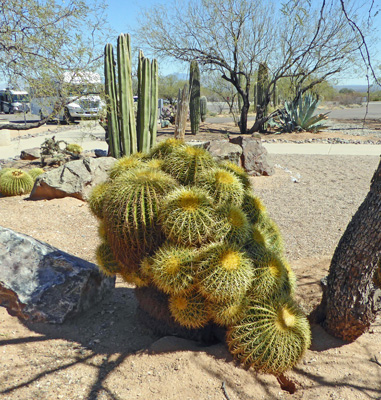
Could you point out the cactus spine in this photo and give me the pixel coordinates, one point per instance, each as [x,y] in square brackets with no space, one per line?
[194,98]
[203,108]
[126,136]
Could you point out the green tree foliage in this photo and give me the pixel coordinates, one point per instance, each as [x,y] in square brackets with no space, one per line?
[41,40]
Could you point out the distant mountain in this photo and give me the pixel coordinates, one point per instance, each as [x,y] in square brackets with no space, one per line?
[358,88]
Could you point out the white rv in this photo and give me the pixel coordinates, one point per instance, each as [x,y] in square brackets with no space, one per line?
[14,101]
[77,97]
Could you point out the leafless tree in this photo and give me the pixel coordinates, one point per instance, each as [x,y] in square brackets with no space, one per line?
[299,39]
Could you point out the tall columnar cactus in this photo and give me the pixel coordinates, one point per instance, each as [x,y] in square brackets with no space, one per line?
[112,102]
[182,113]
[189,229]
[203,108]
[126,106]
[194,97]
[127,135]
[262,86]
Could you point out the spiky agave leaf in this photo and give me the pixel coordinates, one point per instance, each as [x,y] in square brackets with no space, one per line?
[222,185]
[187,163]
[239,171]
[172,268]
[253,207]
[106,260]
[271,337]
[35,172]
[189,309]
[187,217]
[227,313]
[131,213]
[264,235]
[236,223]
[15,182]
[162,149]
[224,273]
[271,276]
[97,198]
[124,164]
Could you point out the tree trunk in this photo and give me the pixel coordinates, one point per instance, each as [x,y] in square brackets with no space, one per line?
[243,119]
[353,293]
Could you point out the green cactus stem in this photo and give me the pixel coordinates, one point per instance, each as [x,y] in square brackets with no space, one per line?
[124,164]
[144,108]
[35,172]
[265,235]
[96,199]
[112,102]
[227,313]
[154,102]
[172,269]
[106,261]
[271,337]
[253,207]
[271,276]
[224,272]
[224,186]
[186,164]
[239,171]
[131,211]
[194,97]
[74,148]
[189,309]
[236,223]
[187,217]
[15,182]
[126,111]
[203,108]
[162,149]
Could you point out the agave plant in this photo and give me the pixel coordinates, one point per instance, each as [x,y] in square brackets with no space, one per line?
[298,116]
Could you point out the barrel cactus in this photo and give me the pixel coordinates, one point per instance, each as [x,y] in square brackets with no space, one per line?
[15,182]
[191,235]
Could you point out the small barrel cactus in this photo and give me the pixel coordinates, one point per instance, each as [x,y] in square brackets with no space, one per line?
[15,182]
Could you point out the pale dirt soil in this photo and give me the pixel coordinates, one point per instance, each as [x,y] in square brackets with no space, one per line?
[108,354]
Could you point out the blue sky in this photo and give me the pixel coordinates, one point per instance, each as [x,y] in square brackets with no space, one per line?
[123,17]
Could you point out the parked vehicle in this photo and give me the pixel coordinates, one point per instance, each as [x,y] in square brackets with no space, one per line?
[14,101]
[77,97]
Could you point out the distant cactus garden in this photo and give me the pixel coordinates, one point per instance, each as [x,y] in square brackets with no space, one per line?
[188,227]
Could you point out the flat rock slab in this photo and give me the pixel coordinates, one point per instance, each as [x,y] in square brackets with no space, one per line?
[73,179]
[41,283]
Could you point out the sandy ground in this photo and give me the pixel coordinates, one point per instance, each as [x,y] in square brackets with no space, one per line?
[108,354]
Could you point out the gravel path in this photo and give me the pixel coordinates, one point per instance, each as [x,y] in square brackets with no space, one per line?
[313,212]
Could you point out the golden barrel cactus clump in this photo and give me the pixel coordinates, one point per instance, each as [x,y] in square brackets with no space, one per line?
[188,231]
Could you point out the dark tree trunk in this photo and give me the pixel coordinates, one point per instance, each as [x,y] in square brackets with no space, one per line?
[353,293]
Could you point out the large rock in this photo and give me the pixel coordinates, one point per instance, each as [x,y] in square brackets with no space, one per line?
[40,283]
[73,179]
[254,156]
[30,154]
[223,150]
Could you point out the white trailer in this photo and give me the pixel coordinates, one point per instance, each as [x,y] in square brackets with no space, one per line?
[77,97]
[14,101]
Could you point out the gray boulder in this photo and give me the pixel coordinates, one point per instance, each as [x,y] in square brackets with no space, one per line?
[30,154]
[73,179]
[40,283]
[223,150]
[254,156]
